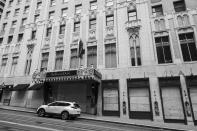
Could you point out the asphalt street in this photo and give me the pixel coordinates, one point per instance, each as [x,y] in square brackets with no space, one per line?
[22,121]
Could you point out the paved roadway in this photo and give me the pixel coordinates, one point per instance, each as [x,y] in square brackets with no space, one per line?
[22,121]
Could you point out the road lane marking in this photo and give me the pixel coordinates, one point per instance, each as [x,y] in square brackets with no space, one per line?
[32,126]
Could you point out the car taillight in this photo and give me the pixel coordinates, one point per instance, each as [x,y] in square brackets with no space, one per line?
[73,107]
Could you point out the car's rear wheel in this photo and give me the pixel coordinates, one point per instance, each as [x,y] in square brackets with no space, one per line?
[65,115]
[41,113]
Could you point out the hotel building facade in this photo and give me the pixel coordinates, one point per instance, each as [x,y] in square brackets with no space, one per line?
[135,59]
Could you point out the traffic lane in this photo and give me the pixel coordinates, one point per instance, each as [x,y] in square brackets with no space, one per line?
[79,124]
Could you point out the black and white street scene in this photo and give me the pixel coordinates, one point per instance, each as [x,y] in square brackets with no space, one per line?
[98,65]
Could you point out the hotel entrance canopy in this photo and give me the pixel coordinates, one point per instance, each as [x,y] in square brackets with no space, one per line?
[71,75]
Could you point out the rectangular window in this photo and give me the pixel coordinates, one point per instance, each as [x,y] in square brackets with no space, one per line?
[10,3]
[16,12]
[109,2]
[13,24]
[48,33]
[14,64]
[179,6]
[62,29]
[10,39]
[163,50]
[19,2]
[23,22]
[93,5]
[74,61]
[20,37]
[39,5]
[110,20]
[28,66]
[33,35]
[44,61]
[92,56]
[4,26]
[3,64]
[26,10]
[53,3]
[59,60]
[157,10]
[51,15]
[7,14]
[1,41]
[78,9]
[132,15]
[92,24]
[64,1]
[188,46]
[110,56]
[64,12]
[135,52]
[36,18]
[76,26]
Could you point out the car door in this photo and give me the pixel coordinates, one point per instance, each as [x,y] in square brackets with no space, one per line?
[61,107]
[51,108]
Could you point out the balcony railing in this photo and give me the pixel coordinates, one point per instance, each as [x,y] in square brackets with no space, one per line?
[133,24]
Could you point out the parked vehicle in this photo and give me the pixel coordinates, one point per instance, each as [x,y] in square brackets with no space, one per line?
[64,109]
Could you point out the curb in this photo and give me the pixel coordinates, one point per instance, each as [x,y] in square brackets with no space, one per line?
[134,124]
[116,122]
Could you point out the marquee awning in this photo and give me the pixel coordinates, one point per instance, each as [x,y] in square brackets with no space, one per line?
[36,86]
[8,87]
[71,75]
[20,87]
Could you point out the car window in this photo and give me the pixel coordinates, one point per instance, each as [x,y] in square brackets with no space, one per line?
[53,104]
[76,105]
[63,104]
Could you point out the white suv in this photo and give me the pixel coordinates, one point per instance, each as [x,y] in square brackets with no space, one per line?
[65,109]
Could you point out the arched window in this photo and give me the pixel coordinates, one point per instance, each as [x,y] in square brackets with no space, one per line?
[162,24]
[156,24]
[186,20]
[180,21]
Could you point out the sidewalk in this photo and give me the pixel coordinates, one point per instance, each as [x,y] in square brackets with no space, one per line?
[145,123]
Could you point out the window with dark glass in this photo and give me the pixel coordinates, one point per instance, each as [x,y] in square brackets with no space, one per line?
[39,5]
[78,9]
[76,26]
[4,26]
[20,37]
[48,33]
[36,17]
[44,61]
[93,5]
[132,15]
[110,20]
[1,40]
[23,22]
[26,10]
[59,60]
[179,6]
[14,64]
[163,49]
[33,34]
[53,3]
[10,39]
[92,24]
[188,46]
[74,61]
[64,12]
[51,15]
[62,29]
[16,12]
[110,55]
[92,56]
[157,10]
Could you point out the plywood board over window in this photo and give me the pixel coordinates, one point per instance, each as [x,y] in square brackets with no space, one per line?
[172,101]
[139,99]
[111,98]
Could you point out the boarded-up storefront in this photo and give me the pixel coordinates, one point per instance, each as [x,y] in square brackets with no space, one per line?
[111,98]
[192,89]
[139,99]
[172,102]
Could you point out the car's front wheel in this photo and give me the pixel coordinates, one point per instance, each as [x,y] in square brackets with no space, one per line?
[65,115]
[41,112]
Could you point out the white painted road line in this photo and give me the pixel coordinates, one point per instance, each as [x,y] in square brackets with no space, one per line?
[31,126]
